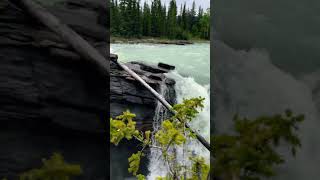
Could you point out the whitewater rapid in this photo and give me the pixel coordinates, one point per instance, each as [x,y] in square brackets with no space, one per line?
[192,78]
[185,87]
[248,84]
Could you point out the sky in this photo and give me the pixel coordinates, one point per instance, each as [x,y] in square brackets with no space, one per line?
[203,3]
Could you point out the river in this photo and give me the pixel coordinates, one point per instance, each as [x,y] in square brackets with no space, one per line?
[190,60]
[192,76]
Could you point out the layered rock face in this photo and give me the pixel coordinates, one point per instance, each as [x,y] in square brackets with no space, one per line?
[128,94]
[51,100]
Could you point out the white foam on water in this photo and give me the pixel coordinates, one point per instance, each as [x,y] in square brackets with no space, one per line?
[186,87]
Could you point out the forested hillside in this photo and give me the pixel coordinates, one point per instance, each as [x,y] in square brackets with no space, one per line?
[130,19]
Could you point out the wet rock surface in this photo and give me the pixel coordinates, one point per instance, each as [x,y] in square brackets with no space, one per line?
[51,100]
[128,94]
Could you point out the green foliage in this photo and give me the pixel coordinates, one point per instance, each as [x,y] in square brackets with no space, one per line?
[123,127]
[172,133]
[188,110]
[141,177]
[251,153]
[199,167]
[163,178]
[169,134]
[128,19]
[54,168]
[134,162]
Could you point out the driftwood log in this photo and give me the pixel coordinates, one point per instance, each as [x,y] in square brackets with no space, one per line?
[67,34]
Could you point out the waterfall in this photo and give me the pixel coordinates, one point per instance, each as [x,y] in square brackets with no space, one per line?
[157,165]
[186,87]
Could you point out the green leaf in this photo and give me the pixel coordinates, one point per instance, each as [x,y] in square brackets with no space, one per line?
[134,162]
[141,177]
[52,169]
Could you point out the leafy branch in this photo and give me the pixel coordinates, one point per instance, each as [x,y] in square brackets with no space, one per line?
[170,135]
[53,169]
[251,153]
[248,154]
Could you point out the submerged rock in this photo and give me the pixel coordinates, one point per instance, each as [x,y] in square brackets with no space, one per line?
[166,66]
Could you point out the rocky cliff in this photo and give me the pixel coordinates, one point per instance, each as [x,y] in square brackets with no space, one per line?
[128,94]
[51,100]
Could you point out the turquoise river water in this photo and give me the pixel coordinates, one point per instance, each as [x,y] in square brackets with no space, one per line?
[192,76]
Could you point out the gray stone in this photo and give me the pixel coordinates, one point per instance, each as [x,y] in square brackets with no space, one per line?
[52,100]
[128,94]
[166,66]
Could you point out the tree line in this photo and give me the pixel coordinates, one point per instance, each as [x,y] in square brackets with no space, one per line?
[129,19]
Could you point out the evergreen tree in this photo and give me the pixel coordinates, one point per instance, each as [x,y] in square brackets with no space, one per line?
[137,24]
[204,26]
[115,18]
[172,20]
[128,19]
[184,17]
[123,17]
[192,17]
[179,20]
[146,29]
[155,19]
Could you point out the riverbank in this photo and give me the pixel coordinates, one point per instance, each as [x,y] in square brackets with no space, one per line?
[151,40]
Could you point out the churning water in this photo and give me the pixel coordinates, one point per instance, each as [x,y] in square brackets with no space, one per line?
[190,60]
[192,76]
[185,87]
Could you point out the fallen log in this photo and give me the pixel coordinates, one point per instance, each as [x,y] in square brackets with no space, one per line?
[160,98]
[80,45]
